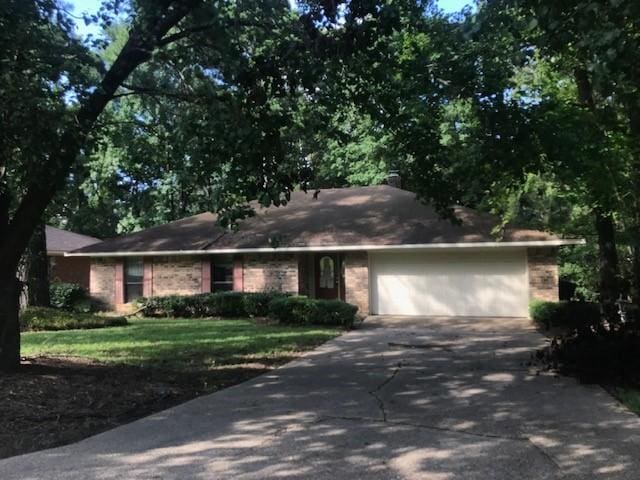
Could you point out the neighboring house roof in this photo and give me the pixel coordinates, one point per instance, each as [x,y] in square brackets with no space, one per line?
[61,241]
[354,218]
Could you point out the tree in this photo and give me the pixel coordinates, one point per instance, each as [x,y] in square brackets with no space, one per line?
[37,268]
[595,44]
[45,32]
[237,69]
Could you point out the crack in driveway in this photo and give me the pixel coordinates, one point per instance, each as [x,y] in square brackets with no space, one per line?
[375,391]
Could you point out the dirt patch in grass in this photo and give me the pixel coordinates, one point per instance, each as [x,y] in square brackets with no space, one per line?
[53,401]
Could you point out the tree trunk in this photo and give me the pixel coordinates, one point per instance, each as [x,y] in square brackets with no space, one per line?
[605,228]
[10,289]
[38,268]
[10,333]
[608,266]
[633,111]
[145,37]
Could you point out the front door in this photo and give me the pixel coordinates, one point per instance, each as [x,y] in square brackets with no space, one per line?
[327,276]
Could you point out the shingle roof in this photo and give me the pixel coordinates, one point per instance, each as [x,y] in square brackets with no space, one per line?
[64,241]
[191,233]
[357,216]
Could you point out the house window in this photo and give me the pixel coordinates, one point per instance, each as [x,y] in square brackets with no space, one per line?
[133,279]
[222,274]
[327,273]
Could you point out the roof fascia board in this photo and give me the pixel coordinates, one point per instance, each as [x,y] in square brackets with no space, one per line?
[335,248]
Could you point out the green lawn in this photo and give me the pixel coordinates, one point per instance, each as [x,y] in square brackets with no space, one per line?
[629,397]
[179,343]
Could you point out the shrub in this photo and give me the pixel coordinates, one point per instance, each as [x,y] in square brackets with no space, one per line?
[290,310]
[333,312]
[223,304]
[303,310]
[545,313]
[605,357]
[257,304]
[69,296]
[40,318]
[566,315]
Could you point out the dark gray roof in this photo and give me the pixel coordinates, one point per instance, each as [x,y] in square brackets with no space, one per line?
[64,241]
[377,215]
[191,233]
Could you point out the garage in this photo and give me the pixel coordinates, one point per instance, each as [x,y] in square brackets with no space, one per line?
[450,283]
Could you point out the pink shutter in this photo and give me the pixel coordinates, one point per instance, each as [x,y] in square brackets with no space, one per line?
[238,278]
[119,282]
[147,282]
[205,286]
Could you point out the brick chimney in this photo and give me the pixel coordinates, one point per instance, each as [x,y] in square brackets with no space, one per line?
[394,179]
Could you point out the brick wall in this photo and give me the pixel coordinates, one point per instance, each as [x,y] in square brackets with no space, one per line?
[177,275]
[102,280]
[356,280]
[70,269]
[271,271]
[543,274]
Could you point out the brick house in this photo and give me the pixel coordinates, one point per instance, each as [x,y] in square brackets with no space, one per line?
[68,269]
[376,247]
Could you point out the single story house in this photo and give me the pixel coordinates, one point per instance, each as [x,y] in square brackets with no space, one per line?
[377,247]
[68,269]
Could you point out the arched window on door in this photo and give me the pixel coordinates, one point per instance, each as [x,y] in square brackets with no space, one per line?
[327,272]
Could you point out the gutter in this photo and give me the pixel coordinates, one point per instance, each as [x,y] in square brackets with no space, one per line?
[335,248]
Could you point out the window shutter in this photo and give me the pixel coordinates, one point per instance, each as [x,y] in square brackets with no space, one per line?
[147,280]
[119,282]
[205,286]
[238,278]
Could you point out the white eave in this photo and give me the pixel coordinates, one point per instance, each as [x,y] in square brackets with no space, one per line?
[336,248]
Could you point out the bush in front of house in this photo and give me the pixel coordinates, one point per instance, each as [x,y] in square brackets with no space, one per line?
[70,297]
[565,315]
[34,319]
[221,304]
[305,311]
[603,357]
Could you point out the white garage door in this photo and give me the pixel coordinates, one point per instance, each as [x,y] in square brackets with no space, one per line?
[479,283]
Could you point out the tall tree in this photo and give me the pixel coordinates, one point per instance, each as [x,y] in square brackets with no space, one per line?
[40,83]
[230,76]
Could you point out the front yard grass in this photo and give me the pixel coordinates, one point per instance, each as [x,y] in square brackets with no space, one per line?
[630,397]
[77,383]
[179,343]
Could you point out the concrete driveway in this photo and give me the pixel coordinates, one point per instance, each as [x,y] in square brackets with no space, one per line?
[422,398]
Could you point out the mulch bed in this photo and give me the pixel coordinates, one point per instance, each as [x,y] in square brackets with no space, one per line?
[55,401]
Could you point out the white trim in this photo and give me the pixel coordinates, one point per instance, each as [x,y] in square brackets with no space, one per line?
[337,248]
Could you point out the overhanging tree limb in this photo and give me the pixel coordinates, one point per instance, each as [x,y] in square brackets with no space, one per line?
[143,40]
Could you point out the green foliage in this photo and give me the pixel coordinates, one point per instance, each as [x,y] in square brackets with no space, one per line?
[223,304]
[545,313]
[570,316]
[609,358]
[40,318]
[629,397]
[305,311]
[69,296]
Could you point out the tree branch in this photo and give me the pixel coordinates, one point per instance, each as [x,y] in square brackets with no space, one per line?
[184,33]
[143,40]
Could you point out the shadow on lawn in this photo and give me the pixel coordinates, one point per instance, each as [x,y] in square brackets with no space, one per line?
[54,401]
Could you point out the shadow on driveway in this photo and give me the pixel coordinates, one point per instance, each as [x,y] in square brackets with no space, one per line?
[398,398]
